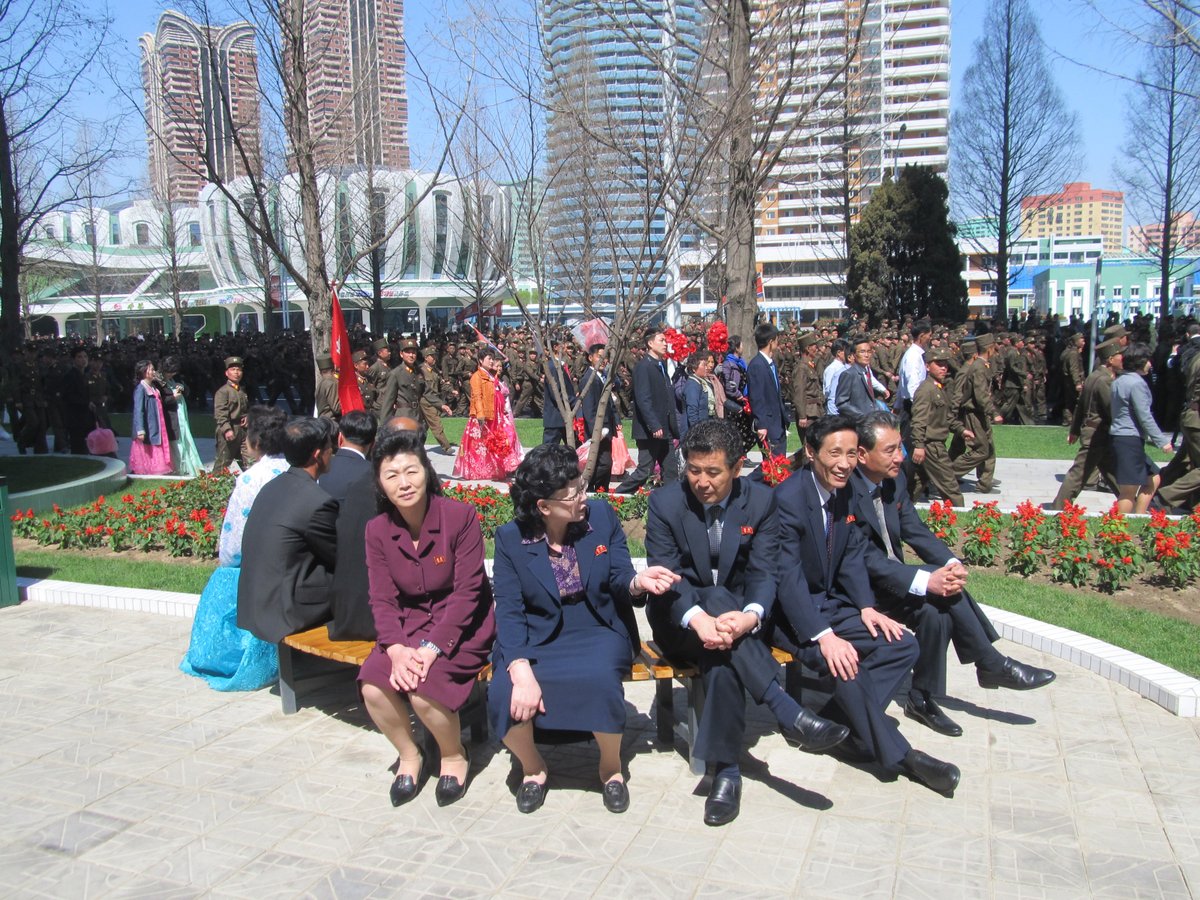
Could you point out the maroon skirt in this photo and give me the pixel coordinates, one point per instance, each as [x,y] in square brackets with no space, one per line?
[450,680]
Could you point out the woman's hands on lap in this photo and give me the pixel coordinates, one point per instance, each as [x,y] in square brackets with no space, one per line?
[654,580]
[526,693]
[408,668]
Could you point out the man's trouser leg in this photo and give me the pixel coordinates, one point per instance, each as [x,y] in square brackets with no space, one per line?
[937,473]
[1184,487]
[434,420]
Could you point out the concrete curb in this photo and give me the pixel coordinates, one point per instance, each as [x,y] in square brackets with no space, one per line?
[74,493]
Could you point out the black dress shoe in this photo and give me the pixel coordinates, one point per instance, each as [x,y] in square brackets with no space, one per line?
[812,733]
[449,789]
[933,773]
[1015,676]
[724,801]
[929,714]
[616,796]
[531,795]
[404,788]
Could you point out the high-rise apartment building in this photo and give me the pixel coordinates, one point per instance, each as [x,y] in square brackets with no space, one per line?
[201,87]
[1078,210]
[871,95]
[1185,234]
[358,99]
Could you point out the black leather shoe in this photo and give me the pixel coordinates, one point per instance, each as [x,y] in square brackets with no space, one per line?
[404,788]
[531,795]
[929,714]
[812,733]
[1015,676]
[616,796]
[449,789]
[933,773]
[724,801]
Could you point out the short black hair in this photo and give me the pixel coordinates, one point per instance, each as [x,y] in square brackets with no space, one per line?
[264,429]
[825,426]
[170,364]
[869,425]
[593,349]
[358,427]
[764,334]
[921,328]
[858,339]
[545,469]
[649,334]
[302,437]
[485,353]
[839,345]
[1135,356]
[393,443]
[735,343]
[139,367]
[714,436]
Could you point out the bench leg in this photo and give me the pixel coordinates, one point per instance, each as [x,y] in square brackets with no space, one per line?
[695,695]
[664,715]
[287,680]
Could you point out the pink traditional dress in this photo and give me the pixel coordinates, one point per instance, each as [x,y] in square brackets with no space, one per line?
[490,449]
[151,454]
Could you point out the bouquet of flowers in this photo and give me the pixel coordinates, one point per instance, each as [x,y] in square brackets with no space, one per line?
[679,346]
[718,338]
[776,469]
[497,443]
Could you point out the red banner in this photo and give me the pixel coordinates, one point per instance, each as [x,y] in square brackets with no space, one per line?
[349,395]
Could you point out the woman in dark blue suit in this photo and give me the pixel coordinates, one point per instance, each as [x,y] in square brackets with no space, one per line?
[565,634]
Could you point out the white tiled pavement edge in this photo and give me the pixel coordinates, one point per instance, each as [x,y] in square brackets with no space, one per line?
[1172,690]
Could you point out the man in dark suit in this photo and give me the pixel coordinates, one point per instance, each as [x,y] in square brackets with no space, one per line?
[933,602]
[655,418]
[554,427]
[720,533]
[591,383]
[762,387]
[356,434]
[290,542]
[826,609]
[855,387]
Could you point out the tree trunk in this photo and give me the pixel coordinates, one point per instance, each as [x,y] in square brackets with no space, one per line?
[1003,242]
[740,272]
[10,244]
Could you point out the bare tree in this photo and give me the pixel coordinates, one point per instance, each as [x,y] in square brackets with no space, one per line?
[1012,135]
[1161,167]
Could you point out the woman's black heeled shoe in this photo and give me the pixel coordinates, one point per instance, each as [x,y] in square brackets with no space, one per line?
[449,789]
[406,787]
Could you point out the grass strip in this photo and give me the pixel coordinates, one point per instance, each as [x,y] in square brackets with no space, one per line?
[1172,642]
[182,575]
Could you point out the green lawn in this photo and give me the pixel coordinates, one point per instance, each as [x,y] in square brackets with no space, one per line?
[1042,442]
[1172,642]
[202,424]
[29,473]
[181,575]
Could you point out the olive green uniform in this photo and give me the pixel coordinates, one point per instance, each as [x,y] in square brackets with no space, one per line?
[431,405]
[977,411]
[329,405]
[932,421]
[1089,425]
[230,406]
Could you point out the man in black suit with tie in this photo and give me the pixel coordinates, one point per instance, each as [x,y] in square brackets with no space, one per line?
[930,599]
[554,426]
[591,383]
[762,387]
[826,609]
[655,418]
[720,533]
[290,543]
[356,435]
[855,395]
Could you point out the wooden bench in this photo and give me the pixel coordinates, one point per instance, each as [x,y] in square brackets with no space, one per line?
[649,665]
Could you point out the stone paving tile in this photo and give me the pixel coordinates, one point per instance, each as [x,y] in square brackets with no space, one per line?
[914,882]
[1134,876]
[272,874]
[631,880]
[72,878]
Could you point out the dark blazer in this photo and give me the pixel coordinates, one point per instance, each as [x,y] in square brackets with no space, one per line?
[695,405]
[677,538]
[288,553]
[592,388]
[852,398]
[345,467]
[766,400]
[438,591]
[814,595]
[551,415]
[352,618]
[528,607]
[653,401]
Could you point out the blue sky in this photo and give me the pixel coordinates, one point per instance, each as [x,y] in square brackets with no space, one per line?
[1080,43]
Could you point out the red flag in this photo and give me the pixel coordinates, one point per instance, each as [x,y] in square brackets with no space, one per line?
[758,288]
[349,395]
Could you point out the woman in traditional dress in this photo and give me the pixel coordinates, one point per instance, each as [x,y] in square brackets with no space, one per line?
[150,453]
[185,458]
[490,449]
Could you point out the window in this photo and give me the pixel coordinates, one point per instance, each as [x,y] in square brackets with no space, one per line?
[1116,292]
[194,233]
[1076,293]
[142,230]
[89,234]
[1135,292]
[114,232]
[1060,293]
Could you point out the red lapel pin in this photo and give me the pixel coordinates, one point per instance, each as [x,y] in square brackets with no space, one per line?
[601,550]
[747,529]
[439,560]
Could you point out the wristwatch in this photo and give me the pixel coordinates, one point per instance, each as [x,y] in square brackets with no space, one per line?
[432,646]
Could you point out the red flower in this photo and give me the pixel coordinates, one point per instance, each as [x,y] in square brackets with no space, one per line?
[850,520]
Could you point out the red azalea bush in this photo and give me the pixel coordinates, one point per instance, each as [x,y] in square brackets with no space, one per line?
[718,338]
[1027,539]
[184,519]
[943,522]
[983,534]
[1175,546]
[1117,557]
[679,345]
[628,507]
[494,507]
[1070,558]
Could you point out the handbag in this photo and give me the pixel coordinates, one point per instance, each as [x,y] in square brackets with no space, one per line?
[101,442]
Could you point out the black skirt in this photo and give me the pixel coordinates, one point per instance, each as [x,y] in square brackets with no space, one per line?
[1131,463]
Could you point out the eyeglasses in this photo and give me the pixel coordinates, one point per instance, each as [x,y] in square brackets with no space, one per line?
[570,498]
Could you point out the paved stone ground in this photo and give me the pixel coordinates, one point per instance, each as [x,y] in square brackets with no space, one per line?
[141,781]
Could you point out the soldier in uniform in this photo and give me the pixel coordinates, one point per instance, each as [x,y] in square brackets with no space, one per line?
[975,449]
[98,391]
[362,370]
[932,422]
[329,405]
[379,370]
[808,397]
[1071,364]
[1035,351]
[230,406]
[401,394]
[1089,426]
[530,381]
[1015,379]
[433,407]
[30,403]
[1181,477]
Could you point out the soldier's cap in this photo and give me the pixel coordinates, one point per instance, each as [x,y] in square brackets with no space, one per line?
[359,355]
[324,363]
[1115,331]
[429,351]
[1108,349]
[808,339]
[410,344]
[938,354]
[234,361]
[379,344]
[983,341]
[968,344]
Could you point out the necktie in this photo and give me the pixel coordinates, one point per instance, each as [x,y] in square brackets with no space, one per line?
[775,375]
[829,531]
[887,538]
[870,387]
[715,528]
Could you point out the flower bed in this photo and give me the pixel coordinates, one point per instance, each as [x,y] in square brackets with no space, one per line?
[494,506]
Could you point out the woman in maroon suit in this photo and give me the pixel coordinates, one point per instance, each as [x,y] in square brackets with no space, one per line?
[432,605]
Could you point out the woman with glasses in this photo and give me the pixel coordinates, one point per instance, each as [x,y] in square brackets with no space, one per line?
[565,633]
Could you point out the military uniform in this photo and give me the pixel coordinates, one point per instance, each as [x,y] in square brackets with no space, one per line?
[808,397]
[1037,388]
[30,401]
[933,419]
[329,405]
[1181,477]
[98,396]
[1014,402]
[1072,377]
[401,394]
[432,403]
[977,411]
[230,406]
[1089,425]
